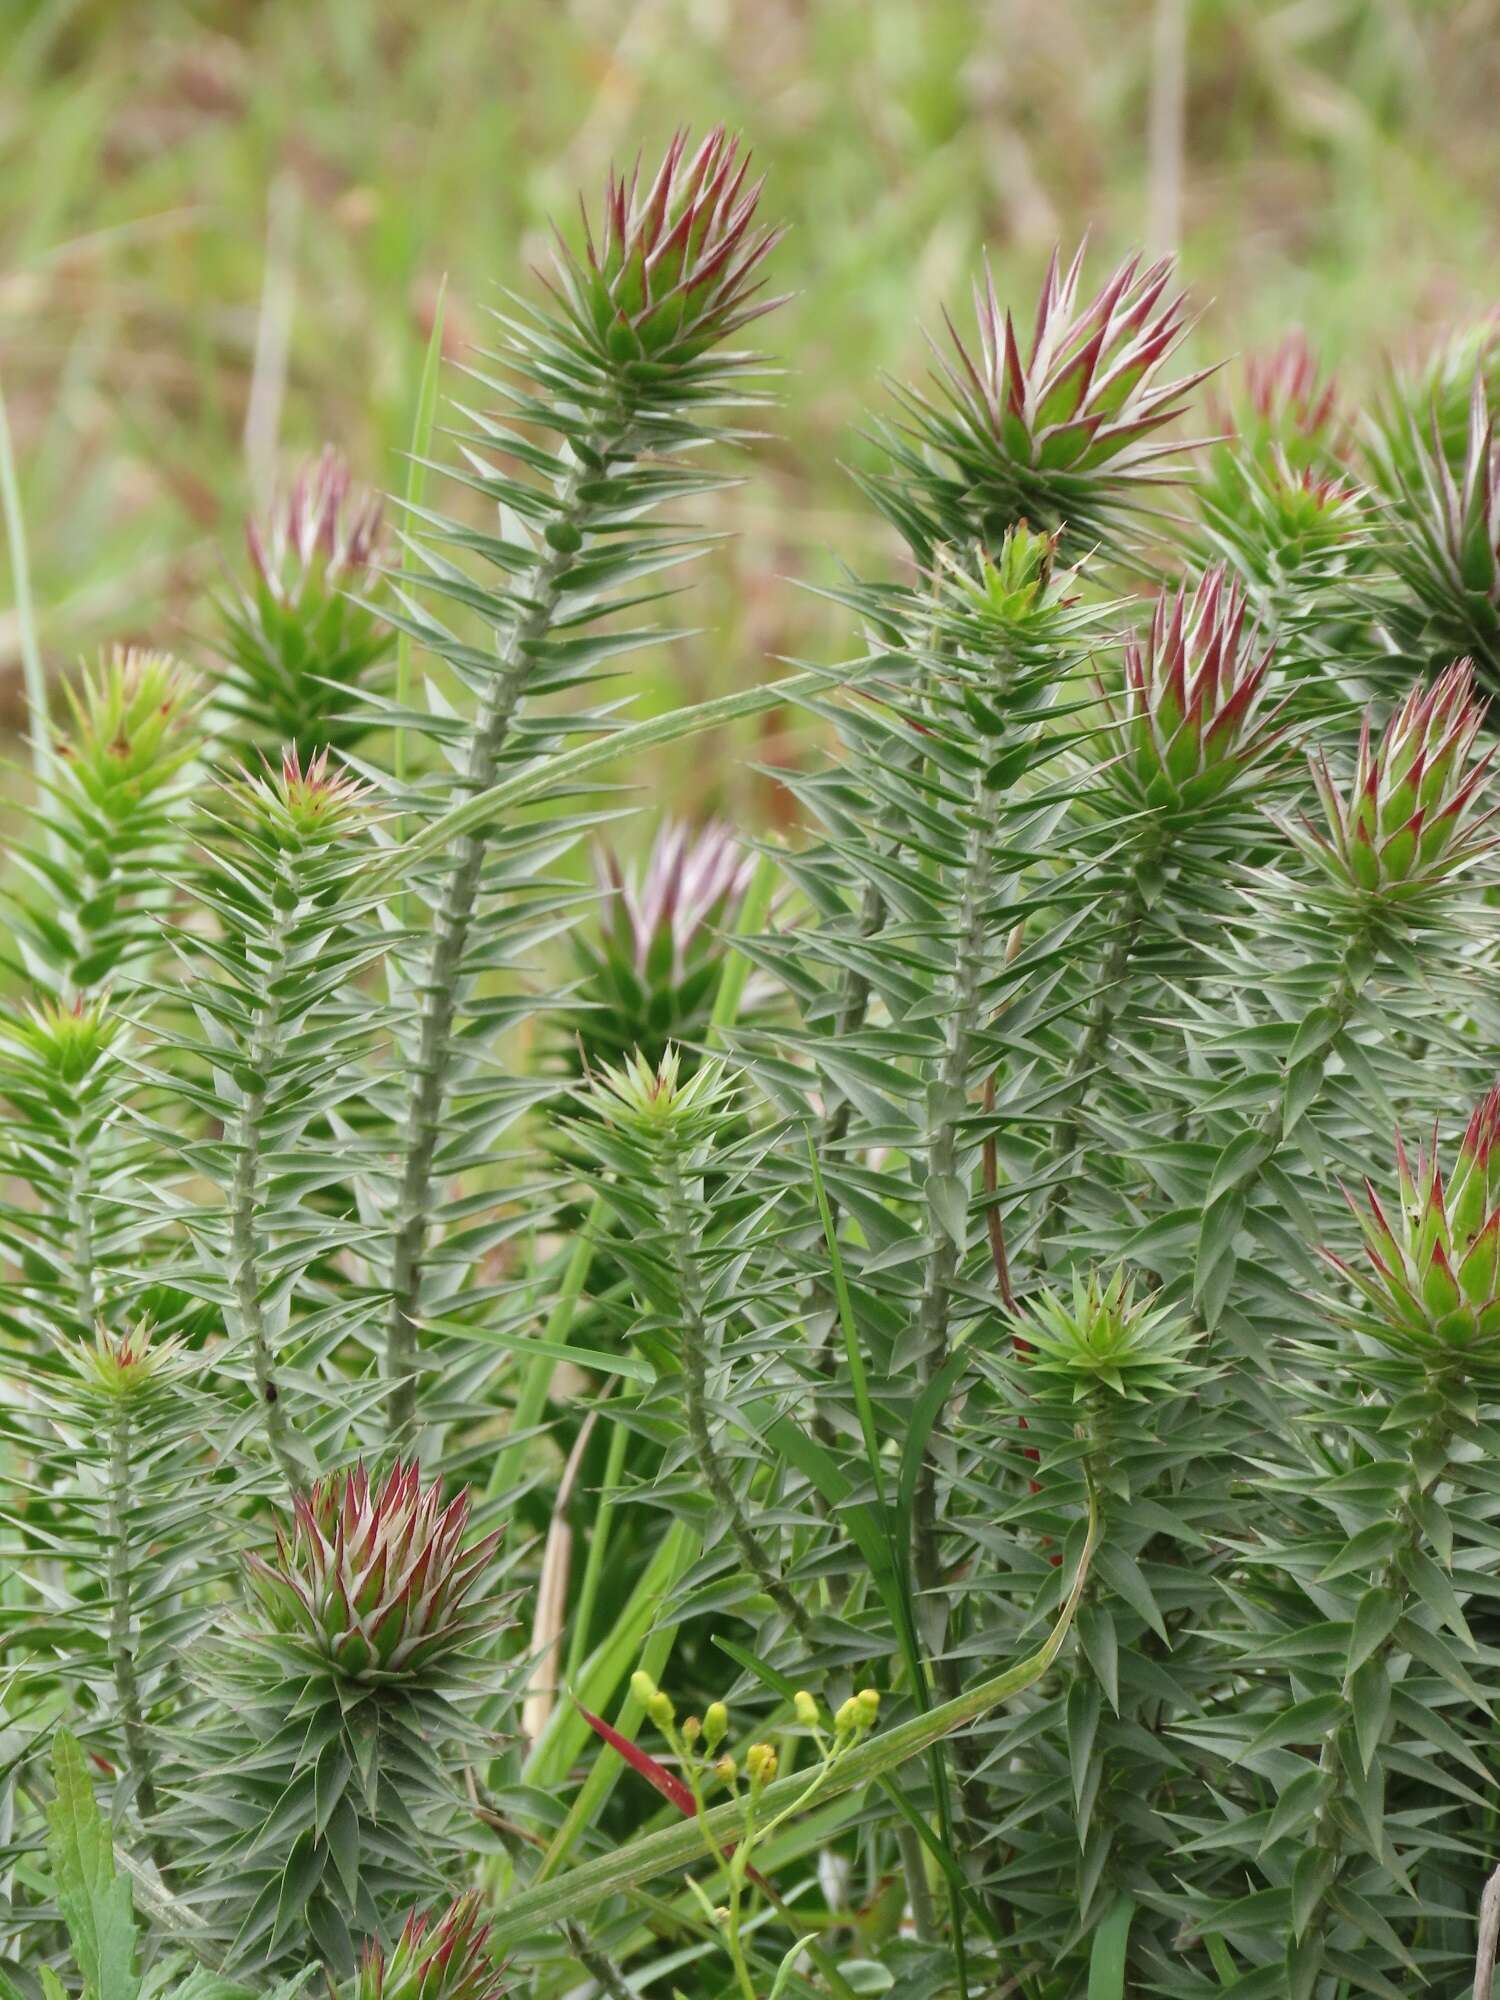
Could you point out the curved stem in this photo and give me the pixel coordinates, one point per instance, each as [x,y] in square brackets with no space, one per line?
[944,1194]
[1427,1462]
[442,981]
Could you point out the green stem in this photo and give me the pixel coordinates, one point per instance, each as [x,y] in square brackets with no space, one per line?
[596,1962]
[944,1191]
[1095,1043]
[918,1893]
[1222,1217]
[694,1346]
[1327,1831]
[442,981]
[246,1248]
[81,1231]
[532,1400]
[122,1628]
[676,1846]
[540,1369]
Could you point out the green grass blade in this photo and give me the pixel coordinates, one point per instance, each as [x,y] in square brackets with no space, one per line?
[1107,1959]
[32,671]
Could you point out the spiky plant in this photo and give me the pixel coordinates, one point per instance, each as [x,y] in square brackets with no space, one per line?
[114,786]
[1443,536]
[965,1348]
[607,399]
[1415,812]
[323,1777]
[442,1960]
[303,640]
[1192,721]
[1068,438]
[650,962]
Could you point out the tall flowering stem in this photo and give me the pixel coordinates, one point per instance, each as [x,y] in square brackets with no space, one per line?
[1192,725]
[1428,1291]
[294,821]
[674,270]
[1384,865]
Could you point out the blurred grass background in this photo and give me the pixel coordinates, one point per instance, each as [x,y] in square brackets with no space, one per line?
[223,228]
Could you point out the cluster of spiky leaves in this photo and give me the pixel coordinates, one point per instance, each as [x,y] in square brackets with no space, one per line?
[1070,438]
[320,1779]
[113,785]
[1444,534]
[374,1583]
[303,641]
[442,1960]
[650,961]
[982,1298]
[1191,719]
[1416,812]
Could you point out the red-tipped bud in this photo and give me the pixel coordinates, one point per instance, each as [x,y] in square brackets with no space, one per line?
[676,264]
[445,1960]
[377,1581]
[1192,711]
[323,529]
[1414,812]
[1433,1282]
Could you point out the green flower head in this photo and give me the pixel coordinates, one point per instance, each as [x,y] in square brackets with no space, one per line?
[1104,1338]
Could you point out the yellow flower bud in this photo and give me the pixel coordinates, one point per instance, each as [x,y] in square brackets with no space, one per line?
[727,1770]
[643,1687]
[760,1763]
[715,1724]
[806,1708]
[692,1729]
[849,1716]
[869,1701]
[661,1710]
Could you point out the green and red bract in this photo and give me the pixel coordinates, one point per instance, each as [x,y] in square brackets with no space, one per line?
[1414,814]
[1191,713]
[376,1580]
[1068,437]
[304,639]
[442,1960]
[674,268]
[129,734]
[303,803]
[1290,406]
[652,964]
[1444,534]
[1433,1283]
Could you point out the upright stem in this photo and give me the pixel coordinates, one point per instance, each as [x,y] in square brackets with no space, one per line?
[951,1096]
[695,1343]
[1223,1216]
[122,1625]
[245,1246]
[1096,1040]
[81,1230]
[1427,1462]
[458,898]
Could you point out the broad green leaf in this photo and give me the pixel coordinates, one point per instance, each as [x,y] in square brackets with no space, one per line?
[94,1900]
